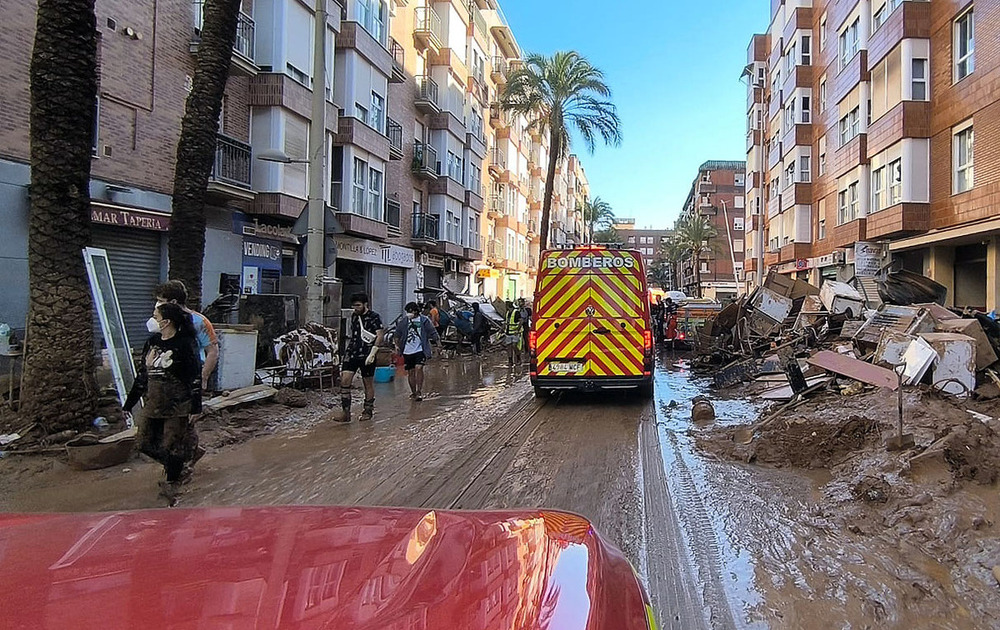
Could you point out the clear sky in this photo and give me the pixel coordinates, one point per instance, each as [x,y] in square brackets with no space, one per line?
[674,68]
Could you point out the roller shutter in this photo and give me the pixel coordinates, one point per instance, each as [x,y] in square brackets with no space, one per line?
[396,291]
[135,257]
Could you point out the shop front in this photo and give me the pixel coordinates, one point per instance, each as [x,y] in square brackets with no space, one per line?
[269,251]
[387,273]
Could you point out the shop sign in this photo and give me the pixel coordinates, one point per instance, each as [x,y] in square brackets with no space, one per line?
[364,250]
[255,227]
[802,264]
[138,219]
[867,259]
[824,261]
[261,250]
[466,268]
[482,274]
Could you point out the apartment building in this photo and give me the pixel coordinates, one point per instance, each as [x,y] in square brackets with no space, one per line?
[717,193]
[861,125]
[147,53]
[647,241]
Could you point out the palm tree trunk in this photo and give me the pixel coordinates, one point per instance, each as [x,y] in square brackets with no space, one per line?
[197,145]
[550,184]
[697,273]
[60,391]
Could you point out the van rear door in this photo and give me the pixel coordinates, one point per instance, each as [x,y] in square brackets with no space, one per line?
[618,324]
[561,322]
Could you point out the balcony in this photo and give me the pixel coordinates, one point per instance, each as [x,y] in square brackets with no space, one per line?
[473,248]
[243,60]
[398,58]
[908,119]
[902,219]
[231,171]
[474,200]
[425,229]
[427,95]
[424,163]
[445,185]
[910,20]
[849,156]
[499,70]
[499,119]
[797,194]
[848,234]
[364,226]
[800,135]
[793,251]
[495,252]
[475,141]
[774,155]
[799,77]
[498,206]
[498,162]
[394,131]
[427,30]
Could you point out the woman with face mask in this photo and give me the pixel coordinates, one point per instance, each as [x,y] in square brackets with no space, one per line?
[169,379]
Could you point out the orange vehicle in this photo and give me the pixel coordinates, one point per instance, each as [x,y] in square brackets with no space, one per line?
[591,328]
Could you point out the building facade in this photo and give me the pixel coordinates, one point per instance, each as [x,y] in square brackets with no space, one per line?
[860,129]
[647,241]
[717,194]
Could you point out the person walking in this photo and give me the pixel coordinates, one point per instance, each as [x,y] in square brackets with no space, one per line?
[175,292]
[365,335]
[413,336]
[169,376]
[512,333]
[480,329]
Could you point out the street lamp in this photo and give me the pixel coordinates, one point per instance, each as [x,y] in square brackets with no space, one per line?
[316,209]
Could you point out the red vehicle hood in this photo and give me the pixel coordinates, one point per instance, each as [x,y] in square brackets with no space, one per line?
[342,568]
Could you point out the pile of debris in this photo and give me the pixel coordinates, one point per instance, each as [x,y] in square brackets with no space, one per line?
[797,338]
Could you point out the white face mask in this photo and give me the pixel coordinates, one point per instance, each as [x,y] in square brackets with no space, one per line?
[152,325]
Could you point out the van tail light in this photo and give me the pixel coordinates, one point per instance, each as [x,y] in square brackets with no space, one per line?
[681,336]
[532,340]
[647,339]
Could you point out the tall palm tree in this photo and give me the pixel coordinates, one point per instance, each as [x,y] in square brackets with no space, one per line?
[196,148]
[60,391]
[671,252]
[696,233]
[558,94]
[597,213]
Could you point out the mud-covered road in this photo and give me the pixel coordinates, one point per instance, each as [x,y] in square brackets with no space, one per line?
[719,544]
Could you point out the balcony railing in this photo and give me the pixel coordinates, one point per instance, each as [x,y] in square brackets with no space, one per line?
[427,90]
[232,162]
[425,227]
[498,158]
[500,68]
[394,131]
[244,43]
[495,250]
[398,57]
[498,204]
[428,25]
[424,158]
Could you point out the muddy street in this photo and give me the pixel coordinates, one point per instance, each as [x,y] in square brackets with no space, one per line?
[719,543]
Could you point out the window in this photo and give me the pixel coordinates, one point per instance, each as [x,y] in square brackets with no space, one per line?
[822,94]
[963,153]
[362,114]
[895,176]
[806,50]
[919,92]
[790,58]
[822,155]
[878,189]
[454,167]
[850,126]
[790,174]
[964,49]
[374,194]
[822,229]
[806,111]
[475,178]
[740,179]
[822,32]
[790,115]
[371,16]
[738,224]
[847,204]
[378,112]
[849,43]
[360,187]
[878,17]
[805,168]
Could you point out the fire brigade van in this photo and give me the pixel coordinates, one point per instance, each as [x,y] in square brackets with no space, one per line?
[591,327]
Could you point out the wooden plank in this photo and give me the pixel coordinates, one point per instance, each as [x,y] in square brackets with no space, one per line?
[240,397]
[853,368]
[786,393]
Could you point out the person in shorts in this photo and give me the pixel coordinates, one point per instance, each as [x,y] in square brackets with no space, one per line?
[364,336]
[414,335]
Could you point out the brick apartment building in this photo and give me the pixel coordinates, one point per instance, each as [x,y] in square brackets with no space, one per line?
[416,146]
[860,127]
[647,241]
[717,193]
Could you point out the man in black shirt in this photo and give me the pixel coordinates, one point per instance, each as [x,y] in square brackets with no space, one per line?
[364,336]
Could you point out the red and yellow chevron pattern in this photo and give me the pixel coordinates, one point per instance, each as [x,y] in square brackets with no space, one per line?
[590,313]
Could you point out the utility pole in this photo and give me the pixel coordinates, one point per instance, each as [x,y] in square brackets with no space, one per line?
[316,209]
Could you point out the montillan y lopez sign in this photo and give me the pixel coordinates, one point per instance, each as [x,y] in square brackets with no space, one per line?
[373,252]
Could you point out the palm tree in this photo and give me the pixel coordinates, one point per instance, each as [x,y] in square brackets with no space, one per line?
[558,94]
[196,148]
[671,252]
[597,213]
[695,232]
[60,391]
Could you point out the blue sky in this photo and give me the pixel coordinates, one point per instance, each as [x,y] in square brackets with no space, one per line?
[674,68]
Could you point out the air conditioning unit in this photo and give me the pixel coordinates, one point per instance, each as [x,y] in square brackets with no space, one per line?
[451,265]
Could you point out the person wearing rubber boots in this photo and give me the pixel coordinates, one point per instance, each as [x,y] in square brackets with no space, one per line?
[364,336]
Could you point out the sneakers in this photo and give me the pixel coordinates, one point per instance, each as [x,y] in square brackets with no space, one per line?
[418,397]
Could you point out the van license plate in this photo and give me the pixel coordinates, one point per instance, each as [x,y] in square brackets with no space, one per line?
[566,366]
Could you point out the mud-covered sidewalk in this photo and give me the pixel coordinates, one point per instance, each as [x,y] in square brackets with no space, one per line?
[891,539]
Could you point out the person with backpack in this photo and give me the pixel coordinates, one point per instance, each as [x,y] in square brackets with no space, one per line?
[414,335]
